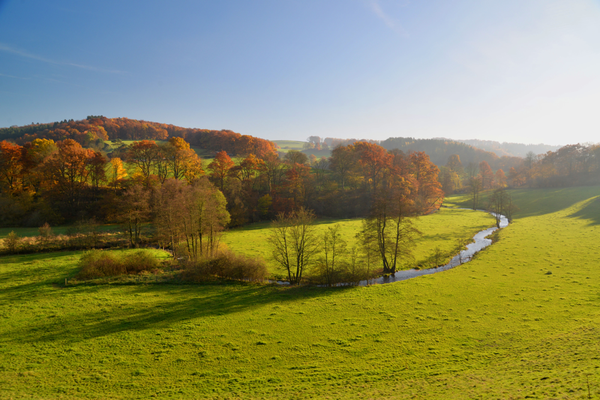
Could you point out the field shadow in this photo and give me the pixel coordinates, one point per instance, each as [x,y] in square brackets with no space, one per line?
[195,302]
[538,201]
[590,212]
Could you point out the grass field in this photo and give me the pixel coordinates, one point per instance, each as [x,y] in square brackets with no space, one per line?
[522,320]
[287,145]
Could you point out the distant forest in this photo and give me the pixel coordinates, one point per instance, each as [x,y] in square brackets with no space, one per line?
[510,149]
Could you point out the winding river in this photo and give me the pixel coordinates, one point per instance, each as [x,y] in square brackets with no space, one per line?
[480,243]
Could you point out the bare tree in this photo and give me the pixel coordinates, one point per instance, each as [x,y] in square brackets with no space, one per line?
[168,218]
[475,189]
[134,212]
[330,265]
[294,242]
[501,203]
[391,228]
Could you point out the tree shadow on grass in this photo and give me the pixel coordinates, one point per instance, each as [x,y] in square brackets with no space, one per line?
[182,303]
[590,212]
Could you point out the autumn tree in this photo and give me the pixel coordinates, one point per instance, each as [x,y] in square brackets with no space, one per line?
[500,178]
[144,156]
[449,180]
[34,153]
[294,242]
[374,162]
[487,175]
[66,173]
[11,167]
[116,172]
[343,163]
[296,157]
[220,167]
[180,160]
[455,165]
[429,194]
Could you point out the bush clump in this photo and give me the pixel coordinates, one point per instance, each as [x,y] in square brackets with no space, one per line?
[99,264]
[227,265]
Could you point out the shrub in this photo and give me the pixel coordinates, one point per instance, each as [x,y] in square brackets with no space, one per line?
[12,242]
[139,261]
[228,265]
[100,264]
[45,236]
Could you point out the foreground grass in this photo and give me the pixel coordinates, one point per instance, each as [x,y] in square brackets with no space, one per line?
[520,321]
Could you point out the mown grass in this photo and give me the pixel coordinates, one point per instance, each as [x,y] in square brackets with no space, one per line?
[522,320]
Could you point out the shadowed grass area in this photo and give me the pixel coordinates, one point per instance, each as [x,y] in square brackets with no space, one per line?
[522,320]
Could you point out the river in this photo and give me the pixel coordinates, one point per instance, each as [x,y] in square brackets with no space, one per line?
[480,243]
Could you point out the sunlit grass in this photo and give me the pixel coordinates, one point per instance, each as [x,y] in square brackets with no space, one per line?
[522,320]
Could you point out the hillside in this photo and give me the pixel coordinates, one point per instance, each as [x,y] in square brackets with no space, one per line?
[439,150]
[509,149]
[96,129]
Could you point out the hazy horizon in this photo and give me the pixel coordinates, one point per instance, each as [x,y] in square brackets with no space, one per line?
[517,72]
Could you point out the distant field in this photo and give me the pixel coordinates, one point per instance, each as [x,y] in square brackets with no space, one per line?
[522,320]
[287,145]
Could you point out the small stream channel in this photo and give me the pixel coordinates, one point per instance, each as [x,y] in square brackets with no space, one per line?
[480,243]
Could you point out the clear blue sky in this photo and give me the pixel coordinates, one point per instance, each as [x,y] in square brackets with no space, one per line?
[509,70]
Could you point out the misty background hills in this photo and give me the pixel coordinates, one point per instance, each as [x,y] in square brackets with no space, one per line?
[497,154]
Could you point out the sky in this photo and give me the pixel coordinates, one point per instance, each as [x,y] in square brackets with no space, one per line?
[524,71]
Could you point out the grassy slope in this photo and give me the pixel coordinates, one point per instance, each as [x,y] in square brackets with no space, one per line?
[497,327]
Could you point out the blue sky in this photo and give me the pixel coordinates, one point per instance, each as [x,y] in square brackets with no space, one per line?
[521,71]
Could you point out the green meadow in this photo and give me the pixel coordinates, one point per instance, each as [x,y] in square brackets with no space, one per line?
[522,320]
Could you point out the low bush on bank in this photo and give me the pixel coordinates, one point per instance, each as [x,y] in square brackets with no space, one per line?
[99,264]
[227,265]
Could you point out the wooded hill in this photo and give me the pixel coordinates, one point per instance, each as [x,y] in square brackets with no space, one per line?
[509,149]
[440,150]
[91,132]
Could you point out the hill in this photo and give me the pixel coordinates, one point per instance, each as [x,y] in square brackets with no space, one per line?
[96,129]
[510,149]
[439,150]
